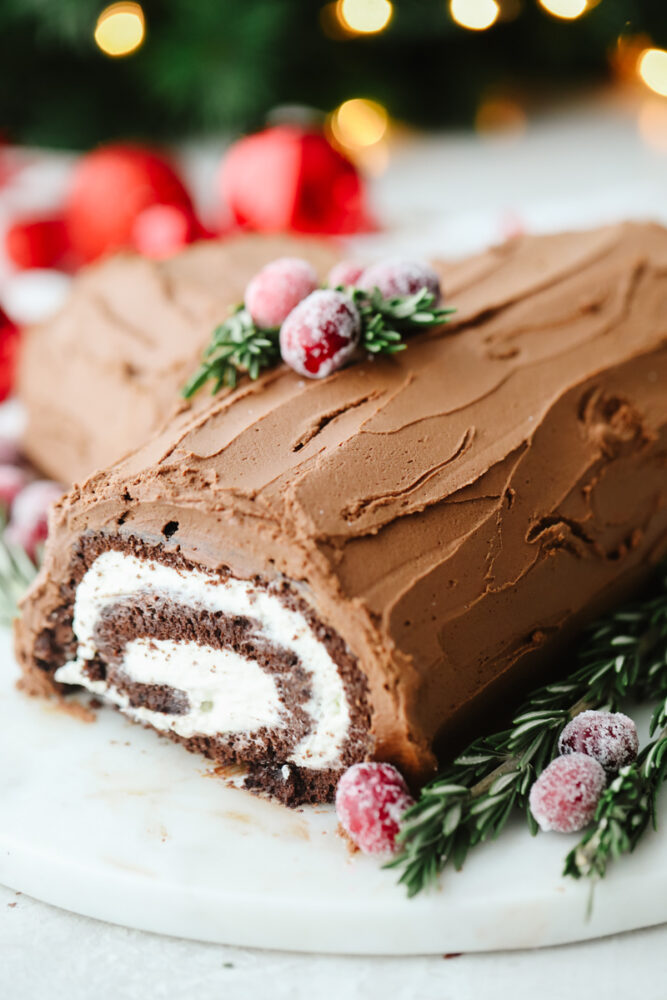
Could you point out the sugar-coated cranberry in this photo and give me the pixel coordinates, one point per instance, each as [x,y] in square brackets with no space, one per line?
[398,277]
[12,481]
[321,334]
[610,737]
[346,273]
[9,451]
[565,795]
[370,800]
[28,522]
[277,289]
[160,231]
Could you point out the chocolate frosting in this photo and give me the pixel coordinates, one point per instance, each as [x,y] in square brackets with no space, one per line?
[98,379]
[457,511]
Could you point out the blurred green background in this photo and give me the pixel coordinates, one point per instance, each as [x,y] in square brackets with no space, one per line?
[207,66]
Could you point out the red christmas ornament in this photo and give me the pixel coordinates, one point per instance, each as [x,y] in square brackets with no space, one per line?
[35,242]
[289,178]
[9,349]
[110,188]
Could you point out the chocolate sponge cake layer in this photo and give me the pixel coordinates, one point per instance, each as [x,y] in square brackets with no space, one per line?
[453,514]
[98,379]
[245,694]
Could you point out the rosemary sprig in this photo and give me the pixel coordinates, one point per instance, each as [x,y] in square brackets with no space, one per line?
[385,322]
[472,800]
[237,347]
[16,573]
[628,804]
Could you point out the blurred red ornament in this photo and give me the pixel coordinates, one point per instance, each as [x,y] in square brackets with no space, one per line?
[9,349]
[290,178]
[110,188]
[35,242]
[161,230]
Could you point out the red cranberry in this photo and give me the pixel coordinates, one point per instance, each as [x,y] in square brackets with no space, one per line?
[566,794]
[28,523]
[610,737]
[277,289]
[12,481]
[160,231]
[321,334]
[370,800]
[346,273]
[399,277]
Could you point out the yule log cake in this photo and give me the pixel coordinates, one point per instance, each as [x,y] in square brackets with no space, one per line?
[100,378]
[302,574]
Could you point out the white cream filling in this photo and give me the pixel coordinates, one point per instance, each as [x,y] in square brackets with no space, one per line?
[228,686]
[226,692]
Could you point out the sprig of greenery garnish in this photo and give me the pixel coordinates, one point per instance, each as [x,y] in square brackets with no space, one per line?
[17,571]
[385,322]
[472,800]
[238,347]
[628,804]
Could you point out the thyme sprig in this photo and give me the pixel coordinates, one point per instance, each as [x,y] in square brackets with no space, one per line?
[471,801]
[239,347]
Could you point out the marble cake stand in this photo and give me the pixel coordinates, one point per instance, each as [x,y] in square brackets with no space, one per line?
[108,820]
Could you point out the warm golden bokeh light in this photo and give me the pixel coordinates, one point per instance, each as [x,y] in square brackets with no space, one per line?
[500,116]
[474,14]
[365,16]
[567,9]
[652,68]
[120,29]
[358,123]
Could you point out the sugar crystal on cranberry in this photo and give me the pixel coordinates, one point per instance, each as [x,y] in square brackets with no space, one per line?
[370,800]
[346,273]
[566,794]
[320,334]
[277,289]
[398,277]
[29,517]
[610,737]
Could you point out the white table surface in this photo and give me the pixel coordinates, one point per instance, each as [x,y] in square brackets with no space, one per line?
[577,167]
[48,954]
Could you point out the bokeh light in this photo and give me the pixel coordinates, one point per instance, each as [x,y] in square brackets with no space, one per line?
[566,9]
[474,14]
[359,123]
[652,68]
[120,29]
[500,116]
[364,16]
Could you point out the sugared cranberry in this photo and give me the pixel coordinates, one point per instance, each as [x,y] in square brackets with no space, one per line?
[398,277]
[9,451]
[346,273]
[321,334]
[370,800]
[610,737]
[277,289]
[12,481]
[565,795]
[160,231]
[28,523]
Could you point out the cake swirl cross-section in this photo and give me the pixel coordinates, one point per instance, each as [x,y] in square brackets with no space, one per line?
[299,575]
